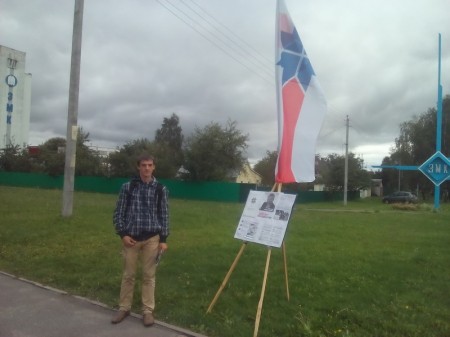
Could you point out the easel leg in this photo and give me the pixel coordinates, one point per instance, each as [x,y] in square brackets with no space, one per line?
[227,277]
[263,290]
[285,270]
[278,188]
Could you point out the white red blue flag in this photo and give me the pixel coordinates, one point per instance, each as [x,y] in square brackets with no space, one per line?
[301,104]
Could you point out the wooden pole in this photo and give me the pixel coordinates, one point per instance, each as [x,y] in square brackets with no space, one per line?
[263,290]
[279,186]
[227,277]
[285,271]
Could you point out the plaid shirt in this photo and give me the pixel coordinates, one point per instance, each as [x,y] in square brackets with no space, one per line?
[141,220]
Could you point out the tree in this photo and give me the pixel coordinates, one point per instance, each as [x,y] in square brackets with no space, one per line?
[168,162]
[123,162]
[15,159]
[389,177]
[169,147]
[415,144]
[215,153]
[51,156]
[88,162]
[166,148]
[266,167]
[334,172]
[170,133]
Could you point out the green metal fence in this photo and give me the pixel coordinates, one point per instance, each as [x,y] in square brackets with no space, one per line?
[213,191]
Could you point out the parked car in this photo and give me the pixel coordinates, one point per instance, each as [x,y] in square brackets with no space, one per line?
[400,197]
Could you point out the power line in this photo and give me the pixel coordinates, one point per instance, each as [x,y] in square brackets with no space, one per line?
[218,42]
[234,45]
[225,39]
[245,44]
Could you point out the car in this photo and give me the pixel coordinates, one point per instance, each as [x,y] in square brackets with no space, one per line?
[400,197]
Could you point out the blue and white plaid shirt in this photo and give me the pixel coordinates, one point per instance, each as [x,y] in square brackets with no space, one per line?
[139,217]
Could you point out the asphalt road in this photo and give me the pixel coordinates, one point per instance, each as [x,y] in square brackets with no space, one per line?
[28,309]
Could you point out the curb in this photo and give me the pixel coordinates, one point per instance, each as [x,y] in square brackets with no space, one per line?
[181,331]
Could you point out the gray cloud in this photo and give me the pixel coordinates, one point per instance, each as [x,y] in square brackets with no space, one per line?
[376,61]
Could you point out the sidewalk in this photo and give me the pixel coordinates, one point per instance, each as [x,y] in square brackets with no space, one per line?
[28,309]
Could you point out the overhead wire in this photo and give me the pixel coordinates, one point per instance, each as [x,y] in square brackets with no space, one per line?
[227,41]
[245,45]
[216,40]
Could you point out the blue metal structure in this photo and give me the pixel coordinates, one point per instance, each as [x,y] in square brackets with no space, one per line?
[436,168]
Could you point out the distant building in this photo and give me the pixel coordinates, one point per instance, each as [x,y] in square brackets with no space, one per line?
[15,98]
[244,176]
[377,187]
[248,175]
[101,151]
[319,187]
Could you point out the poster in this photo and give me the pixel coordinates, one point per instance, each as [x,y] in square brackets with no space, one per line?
[265,218]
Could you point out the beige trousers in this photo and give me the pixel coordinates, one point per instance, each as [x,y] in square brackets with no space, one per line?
[148,250]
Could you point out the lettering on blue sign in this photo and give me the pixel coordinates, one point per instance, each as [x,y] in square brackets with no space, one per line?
[437,168]
[9,107]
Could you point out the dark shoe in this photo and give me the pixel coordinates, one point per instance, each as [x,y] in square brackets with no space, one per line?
[120,316]
[148,319]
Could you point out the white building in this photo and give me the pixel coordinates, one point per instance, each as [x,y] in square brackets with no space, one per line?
[15,98]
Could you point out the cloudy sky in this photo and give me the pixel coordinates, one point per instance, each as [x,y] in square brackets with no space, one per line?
[213,61]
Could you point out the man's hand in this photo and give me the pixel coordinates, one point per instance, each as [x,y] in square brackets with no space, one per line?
[128,241]
[163,246]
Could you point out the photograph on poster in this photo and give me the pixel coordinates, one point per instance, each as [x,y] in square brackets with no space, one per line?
[265,218]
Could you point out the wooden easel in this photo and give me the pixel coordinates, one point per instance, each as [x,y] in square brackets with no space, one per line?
[277,187]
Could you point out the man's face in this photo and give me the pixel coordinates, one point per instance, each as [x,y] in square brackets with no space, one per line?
[146,168]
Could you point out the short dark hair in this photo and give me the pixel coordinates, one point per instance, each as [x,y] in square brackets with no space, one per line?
[145,156]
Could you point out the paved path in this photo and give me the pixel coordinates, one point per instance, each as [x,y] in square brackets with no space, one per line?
[28,309]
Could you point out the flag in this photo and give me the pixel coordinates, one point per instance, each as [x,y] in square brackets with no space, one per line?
[300,101]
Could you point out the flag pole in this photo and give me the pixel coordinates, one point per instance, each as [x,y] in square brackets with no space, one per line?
[283,248]
[278,187]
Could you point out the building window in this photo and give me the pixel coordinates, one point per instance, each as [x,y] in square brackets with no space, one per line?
[12,63]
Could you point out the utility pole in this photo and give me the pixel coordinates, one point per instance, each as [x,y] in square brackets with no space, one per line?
[347,124]
[72,114]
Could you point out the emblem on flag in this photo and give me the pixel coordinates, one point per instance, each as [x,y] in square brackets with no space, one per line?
[301,104]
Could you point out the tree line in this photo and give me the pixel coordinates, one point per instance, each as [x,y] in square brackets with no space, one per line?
[329,172]
[217,153]
[211,153]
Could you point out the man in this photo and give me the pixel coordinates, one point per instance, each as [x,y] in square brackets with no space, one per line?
[141,219]
[268,205]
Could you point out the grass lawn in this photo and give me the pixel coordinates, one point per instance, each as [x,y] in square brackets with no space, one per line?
[366,269]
